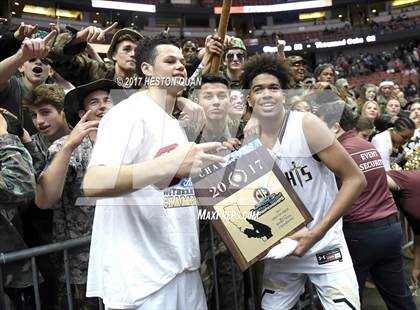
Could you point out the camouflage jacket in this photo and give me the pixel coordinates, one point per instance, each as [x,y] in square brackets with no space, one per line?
[232,84]
[74,65]
[381,100]
[17,187]
[38,149]
[70,219]
[232,128]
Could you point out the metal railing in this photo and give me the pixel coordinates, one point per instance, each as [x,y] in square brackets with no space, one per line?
[33,253]
[250,302]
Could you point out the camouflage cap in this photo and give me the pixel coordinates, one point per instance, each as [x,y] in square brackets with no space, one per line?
[117,35]
[236,43]
[295,59]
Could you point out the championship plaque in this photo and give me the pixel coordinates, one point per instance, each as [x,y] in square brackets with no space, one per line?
[250,203]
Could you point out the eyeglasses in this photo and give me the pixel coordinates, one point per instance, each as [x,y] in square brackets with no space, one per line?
[239,56]
[189,49]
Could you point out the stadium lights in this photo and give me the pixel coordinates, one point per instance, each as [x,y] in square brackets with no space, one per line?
[126,6]
[51,12]
[298,47]
[282,7]
[320,44]
[312,15]
[398,3]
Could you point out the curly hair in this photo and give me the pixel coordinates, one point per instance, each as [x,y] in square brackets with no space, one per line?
[146,51]
[266,63]
[45,94]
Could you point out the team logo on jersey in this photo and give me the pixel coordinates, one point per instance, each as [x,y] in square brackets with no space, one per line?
[298,175]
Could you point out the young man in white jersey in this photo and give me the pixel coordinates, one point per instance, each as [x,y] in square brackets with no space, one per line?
[144,251]
[307,153]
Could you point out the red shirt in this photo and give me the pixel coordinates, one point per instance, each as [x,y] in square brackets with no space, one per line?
[376,201]
[408,198]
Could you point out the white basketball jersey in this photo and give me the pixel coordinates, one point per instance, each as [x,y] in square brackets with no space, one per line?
[315,185]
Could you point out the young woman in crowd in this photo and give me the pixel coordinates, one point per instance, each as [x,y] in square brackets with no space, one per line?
[370,110]
[367,93]
[389,141]
[392,107]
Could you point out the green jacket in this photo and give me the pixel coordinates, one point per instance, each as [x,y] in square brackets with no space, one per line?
[74,65]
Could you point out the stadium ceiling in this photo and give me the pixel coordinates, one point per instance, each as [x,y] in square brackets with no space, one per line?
[86,4]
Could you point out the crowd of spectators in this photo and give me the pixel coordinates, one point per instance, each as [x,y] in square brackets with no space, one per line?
[65,135]
[402,59]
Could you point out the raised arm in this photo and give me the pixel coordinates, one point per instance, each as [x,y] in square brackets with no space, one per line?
[50,184]
[31,48]
[69,59]
[10,42]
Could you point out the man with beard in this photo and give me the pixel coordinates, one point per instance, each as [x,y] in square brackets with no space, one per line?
[34,70]
[69,59]
[59,185]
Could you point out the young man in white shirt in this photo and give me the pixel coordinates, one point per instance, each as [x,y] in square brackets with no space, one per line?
[144,251]
[309,156]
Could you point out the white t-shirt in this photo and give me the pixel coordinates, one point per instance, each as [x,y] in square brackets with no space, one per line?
[141,240]
[315,185]
[383,143]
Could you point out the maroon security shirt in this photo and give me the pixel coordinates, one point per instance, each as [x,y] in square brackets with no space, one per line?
[376,201]
[408,198]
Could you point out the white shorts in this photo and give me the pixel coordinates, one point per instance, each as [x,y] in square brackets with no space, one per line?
[184,292]
[336,290]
